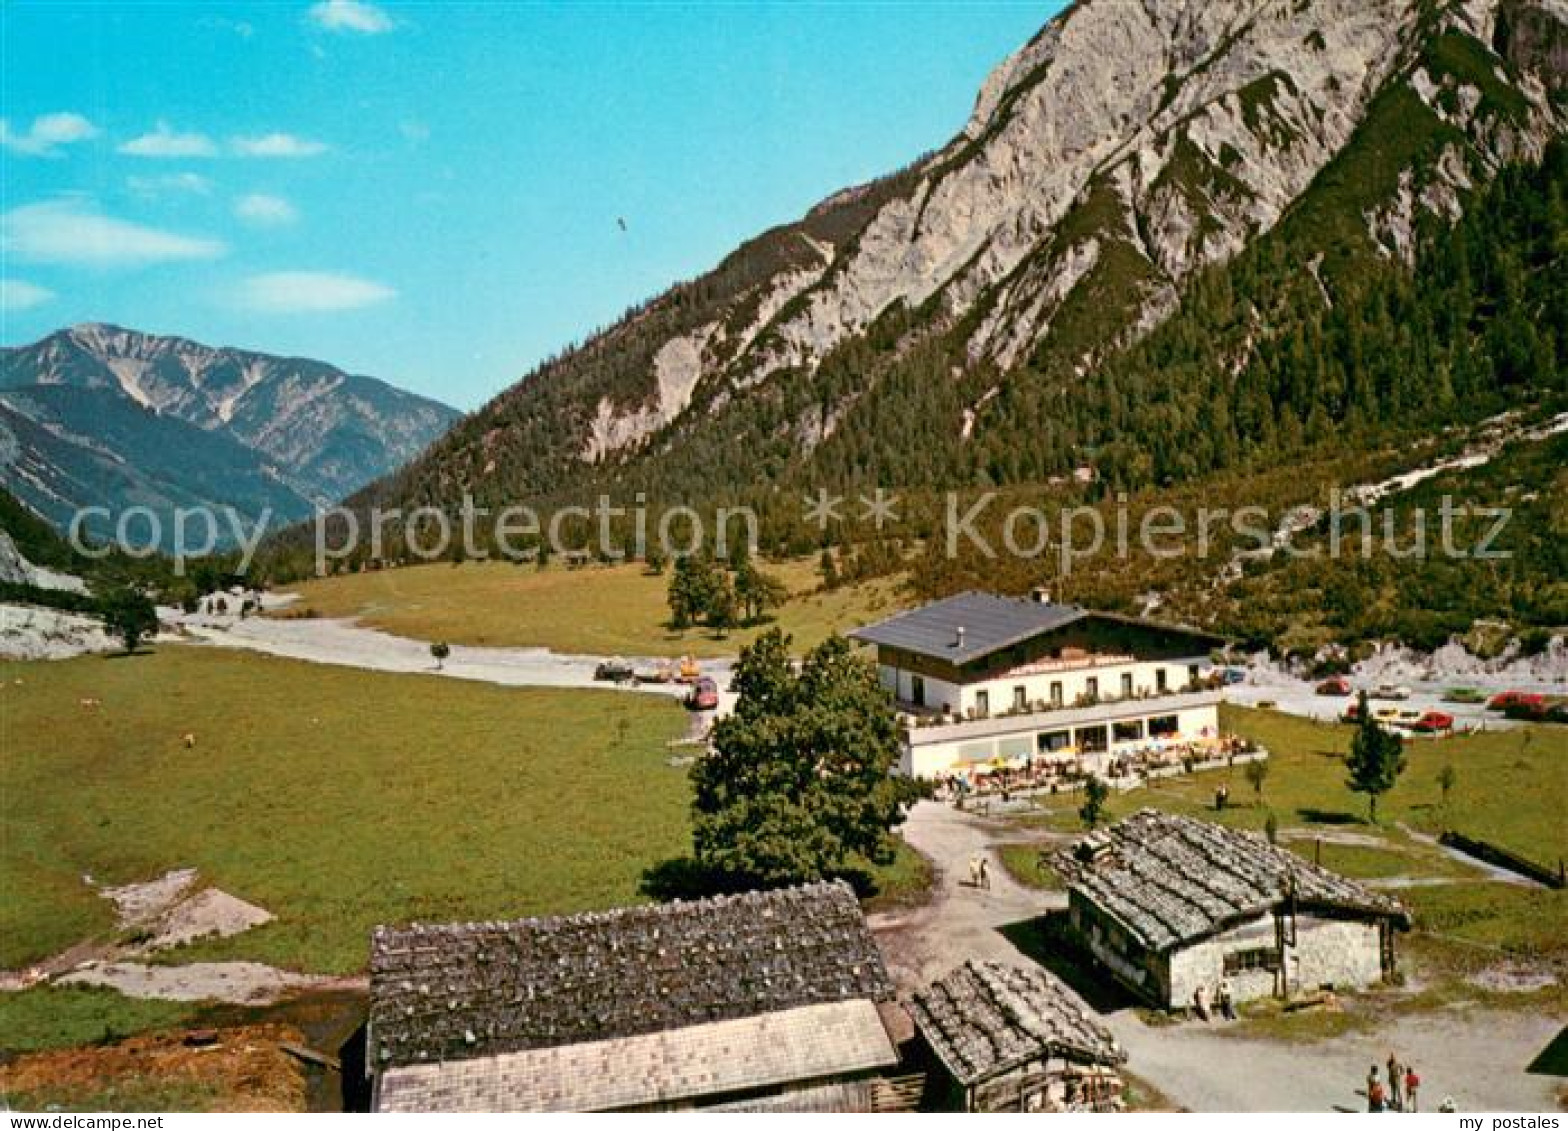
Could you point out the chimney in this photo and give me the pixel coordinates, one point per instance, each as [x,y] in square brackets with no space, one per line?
[1040,595]
[959,642]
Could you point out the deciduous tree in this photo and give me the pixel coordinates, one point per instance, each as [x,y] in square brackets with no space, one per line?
[797,785]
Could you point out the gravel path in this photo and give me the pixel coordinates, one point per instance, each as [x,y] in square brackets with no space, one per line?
[239,983]
[1476,1056]
[346,643]
[958,922]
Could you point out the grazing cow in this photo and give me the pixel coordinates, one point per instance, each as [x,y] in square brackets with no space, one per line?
[90,701]
[189,739]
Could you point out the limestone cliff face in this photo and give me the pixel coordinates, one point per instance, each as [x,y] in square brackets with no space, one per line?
[1127,146]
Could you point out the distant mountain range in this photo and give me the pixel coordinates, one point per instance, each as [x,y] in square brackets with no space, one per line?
[97,415]
[967,320]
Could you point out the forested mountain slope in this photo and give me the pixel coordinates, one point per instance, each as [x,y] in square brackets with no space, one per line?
[1266,172]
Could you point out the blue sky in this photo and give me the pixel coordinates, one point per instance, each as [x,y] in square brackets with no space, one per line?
[432,193]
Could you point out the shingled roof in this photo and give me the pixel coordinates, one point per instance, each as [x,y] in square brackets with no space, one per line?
[988,622]
[461,991]
[1171,880]
[985,1018]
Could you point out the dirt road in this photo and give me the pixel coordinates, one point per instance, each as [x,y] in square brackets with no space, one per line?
[1476,1056]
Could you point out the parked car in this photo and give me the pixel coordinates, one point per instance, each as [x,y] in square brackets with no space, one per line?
[1464,695]
[1229,676]
[1433,722]
[614,671]
[1337,685]
[659,673]
[1389,691]
[1503,700]
[704,695]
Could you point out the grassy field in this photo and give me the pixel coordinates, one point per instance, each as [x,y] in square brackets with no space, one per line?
[47,1017]
[1511,787]
[598,610]
[336,799]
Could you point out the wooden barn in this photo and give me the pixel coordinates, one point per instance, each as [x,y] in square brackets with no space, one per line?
[763,1001]
[1168,904]
[1013,1038]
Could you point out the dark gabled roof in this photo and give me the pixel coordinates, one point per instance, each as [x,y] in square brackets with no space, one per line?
[469,990]
[1171,880]
[989,622]
[985,1018]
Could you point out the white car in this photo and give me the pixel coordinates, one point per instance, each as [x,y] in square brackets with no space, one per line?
[1390,691]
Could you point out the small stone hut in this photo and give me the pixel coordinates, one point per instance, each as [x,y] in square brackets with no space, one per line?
[1168,904]
[767,1000]
[1013,1038]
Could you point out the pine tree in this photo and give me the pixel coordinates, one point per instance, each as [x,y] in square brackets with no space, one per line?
[1376,759]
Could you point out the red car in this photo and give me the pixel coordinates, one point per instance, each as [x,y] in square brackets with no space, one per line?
[1506,699]
[704,695]
[1433,722]
[1338,685]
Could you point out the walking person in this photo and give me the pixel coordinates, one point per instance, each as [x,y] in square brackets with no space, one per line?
[1375,1097]
[985,873]
[1227,1001]
[1200,1001]
[1395,1079]
[1412,1086]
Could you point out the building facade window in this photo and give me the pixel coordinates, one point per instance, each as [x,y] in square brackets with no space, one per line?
[1128,731]
[1127,685]
[1091,687]
[1192,673]
[1162,725]
[982,704]
[1160,683]
[1056,693]
[1253,958]
[1020,698]
[1050,741]
[1091,740]
[917,691]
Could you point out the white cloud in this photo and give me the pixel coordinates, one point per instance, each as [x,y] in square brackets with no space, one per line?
[265,210]
[276,145]
[299,292]
[75,233]
[350,15]
[47,134]
[166,142]
[18,294]
[168,184]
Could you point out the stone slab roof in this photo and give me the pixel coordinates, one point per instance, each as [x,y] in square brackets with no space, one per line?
[986,1018]
[811,1042]
[1171,879]
[462,991]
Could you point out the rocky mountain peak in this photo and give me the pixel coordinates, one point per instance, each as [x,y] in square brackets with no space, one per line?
[1126,148]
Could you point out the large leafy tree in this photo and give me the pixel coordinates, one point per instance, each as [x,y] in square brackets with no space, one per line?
[1376,759]
[757,592]
[797,786]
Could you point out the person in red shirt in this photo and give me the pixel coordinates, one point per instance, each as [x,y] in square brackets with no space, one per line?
[1412,1082]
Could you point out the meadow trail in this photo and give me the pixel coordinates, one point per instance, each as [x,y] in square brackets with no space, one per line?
[345,643]
[1476,1055]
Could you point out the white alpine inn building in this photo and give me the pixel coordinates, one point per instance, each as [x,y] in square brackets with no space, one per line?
[993,681]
